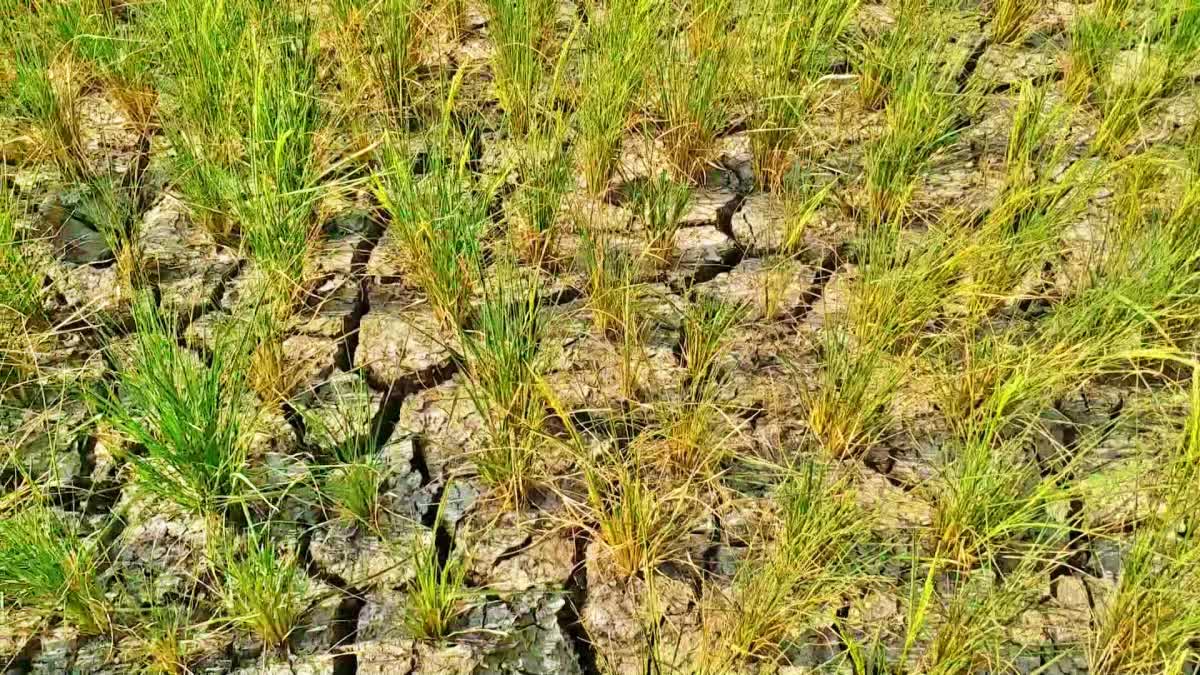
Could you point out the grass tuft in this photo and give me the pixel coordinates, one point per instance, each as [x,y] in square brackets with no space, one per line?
[45,564]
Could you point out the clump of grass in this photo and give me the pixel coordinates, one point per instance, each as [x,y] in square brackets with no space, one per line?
[545,171]
[1126,99]
[884,59]
[660,203]
[439,219]
[1093,41]
[640,523]
[185,413]
[46,91]
[45,564]
[793,44]
[802,198]
[920,120]
[263,587]
[345,428]
[437,595]
[21,293]
[503,359]
[614,70]
[692,97]
[902,284]
[1032,127]
[850,409]
[523,33]
[1010,19]
[803,566]
[990,494]
[706,333]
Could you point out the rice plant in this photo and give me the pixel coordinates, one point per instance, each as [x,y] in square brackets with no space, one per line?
[1092,43]
[920,119]
[884,59]
[706,333]
[278,217]
[1126,99]
[523,33]
[850,408]
[1010,19]
[901,286]
[437,595]
[46,564]
[187,415]
[991,494]
[802,198]
[660,203]
[345,430]
[439,219]
[613,293]
[1149,621]
[640,524]
[792,45]
[503,359]
[615,70]
[968,632]
[802,567]
[1032,129]
[382,41]
[207,74]
[46,90]
[263,587]
[545,172]
[691,102]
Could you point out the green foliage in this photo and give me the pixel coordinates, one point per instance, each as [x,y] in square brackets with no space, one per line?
[792,44]
[660,203]
[439,218]
[850,408]
[523,32]
[263,588]
[801,570]
[20,280]
[437,595]
[502,352]
[612,74]
[46,564]
[545,171]
[692,97]
[186,414]
[921,119]
[1010,19]
[707,331]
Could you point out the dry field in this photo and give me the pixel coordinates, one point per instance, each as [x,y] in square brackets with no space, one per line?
[599,336]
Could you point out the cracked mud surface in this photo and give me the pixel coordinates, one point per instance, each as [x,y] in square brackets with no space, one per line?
[545,594]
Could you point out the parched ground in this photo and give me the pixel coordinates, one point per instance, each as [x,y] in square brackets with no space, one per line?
[364,353]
